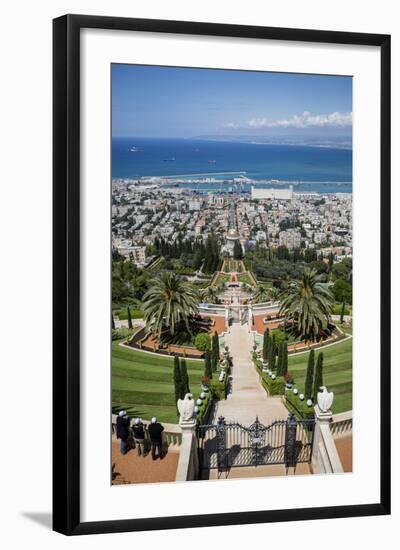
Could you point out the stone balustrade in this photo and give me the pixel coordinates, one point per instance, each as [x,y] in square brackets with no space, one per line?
[342,424]
[188,465]
[325,457]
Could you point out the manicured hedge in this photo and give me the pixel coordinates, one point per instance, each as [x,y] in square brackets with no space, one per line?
[273,387]
[217,388]
[299,408]
[204,408]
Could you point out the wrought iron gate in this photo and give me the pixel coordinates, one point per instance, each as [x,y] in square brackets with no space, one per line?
[228,445]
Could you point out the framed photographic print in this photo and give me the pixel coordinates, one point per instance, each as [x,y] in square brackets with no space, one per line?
[221,274]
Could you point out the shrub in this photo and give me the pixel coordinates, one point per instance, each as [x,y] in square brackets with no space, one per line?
[289,378]
[218,389]
[273,387]
[204,409]
[297,407]
[121,333]
[280,336]
[202,341]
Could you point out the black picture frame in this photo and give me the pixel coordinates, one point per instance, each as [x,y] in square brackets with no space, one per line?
[66,273]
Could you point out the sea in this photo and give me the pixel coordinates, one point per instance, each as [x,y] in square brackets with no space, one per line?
[216,165]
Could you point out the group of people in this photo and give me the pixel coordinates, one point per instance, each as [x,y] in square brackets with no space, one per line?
[126,433]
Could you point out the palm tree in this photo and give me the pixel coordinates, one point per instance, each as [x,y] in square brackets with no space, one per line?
[273,293]
[265,294]
[261,294]
[308,304]
[169,301]
[210,294]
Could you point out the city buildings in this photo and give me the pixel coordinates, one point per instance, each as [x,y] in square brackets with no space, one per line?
[143,213]
[280,194]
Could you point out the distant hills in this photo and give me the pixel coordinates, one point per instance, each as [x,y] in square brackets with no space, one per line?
[332,142]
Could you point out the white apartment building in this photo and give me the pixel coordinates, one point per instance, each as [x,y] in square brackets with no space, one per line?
[280,194]
[194,205]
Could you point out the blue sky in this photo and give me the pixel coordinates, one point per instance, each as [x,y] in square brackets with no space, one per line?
[152,101]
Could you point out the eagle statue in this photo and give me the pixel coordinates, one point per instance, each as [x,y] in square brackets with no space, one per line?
[186,407]
[325,399]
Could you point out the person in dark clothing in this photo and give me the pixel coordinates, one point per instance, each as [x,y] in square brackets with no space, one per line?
[123,425]
[138,434]
[155,430]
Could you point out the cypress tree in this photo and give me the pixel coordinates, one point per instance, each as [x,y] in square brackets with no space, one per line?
[112,321]
[207,364]
[285,362]
[215,351]
[177,380]
[266,344]
[129,318]
[318,380]
[308,389]
[280,360]
[272,353]
[342,312]
[184,377]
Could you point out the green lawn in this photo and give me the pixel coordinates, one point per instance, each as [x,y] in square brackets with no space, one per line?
[222,279]
[135,314]
[337,310]
[142,383]
[337,373]
[246,279]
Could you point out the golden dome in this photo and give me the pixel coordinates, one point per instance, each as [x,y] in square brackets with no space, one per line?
[232,234]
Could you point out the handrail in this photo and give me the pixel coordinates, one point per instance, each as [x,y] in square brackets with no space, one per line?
[342,424]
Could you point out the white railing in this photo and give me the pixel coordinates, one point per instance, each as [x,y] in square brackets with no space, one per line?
[342,424]
[188,465]
[325,457]
[212,309]
[265,308]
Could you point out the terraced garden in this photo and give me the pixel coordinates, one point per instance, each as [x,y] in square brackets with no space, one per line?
[142,383]
[337,373]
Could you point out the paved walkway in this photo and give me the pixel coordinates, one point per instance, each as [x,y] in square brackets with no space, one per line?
[247,397]
[131,468]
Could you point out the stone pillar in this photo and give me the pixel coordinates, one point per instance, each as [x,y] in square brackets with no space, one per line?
[188,465]
[250,318]
[227,318]
[325,458]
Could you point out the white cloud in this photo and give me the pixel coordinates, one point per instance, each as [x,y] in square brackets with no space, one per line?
[231,125]
[305,120]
